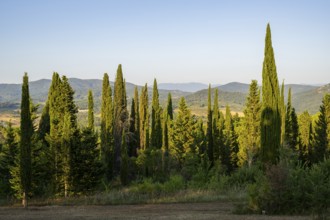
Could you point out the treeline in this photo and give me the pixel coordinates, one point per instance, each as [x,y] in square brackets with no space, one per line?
[56,158]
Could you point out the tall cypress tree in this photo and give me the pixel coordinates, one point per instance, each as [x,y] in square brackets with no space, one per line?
[270,114]
[120,116]
[156,127]
[90,110]
[144,118]
[137,118]
[322,131]
[169,106]
[25,143]
[131,143]
[282,106]
[107,128]
[215,124]
[250,137]
[209,134]
[56,109]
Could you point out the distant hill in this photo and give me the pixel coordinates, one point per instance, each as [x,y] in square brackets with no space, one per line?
[186,87]
[310,100]
[235,87]
[304,97]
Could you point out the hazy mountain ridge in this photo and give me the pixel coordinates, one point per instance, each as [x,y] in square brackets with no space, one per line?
[304,97]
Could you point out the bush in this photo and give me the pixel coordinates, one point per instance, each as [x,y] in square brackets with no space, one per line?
[287,190]
[174,184]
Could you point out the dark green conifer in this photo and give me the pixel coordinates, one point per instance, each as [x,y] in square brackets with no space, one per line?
[144,118]
[305,137]
[107,128]
[283,114]
[271,113]
[124,161]
[90,110]
[137,119]
[26,133]
[291,126]
[8,158]
[322,131]
[215,124]
[209,134]
[156,127]
[169,106]
[120,116]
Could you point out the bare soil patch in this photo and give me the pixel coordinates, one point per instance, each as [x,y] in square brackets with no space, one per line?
[214,210]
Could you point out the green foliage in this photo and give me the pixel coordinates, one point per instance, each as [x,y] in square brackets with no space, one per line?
[229,155]
[322,131]
[217,142]
[249,133]
[209,134]
[169,106]
[144,117]
[106,137]
[156,126]
[124,161]
[271,113]
[8,161]
[305,137]
[291,190]
[90,110]
[291,126]
[120,117]
[26,132]
[182,135]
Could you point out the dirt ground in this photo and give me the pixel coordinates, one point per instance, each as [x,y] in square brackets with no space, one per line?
[202,211]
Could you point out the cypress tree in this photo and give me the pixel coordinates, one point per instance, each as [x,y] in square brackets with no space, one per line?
[270,115]
[291,125]
[250,137]
[44,123]
[90,110]
[56,109]
[156,129]
[169,106]
[282,106]
[132,141]
[215,123]
[230,142]
[209,134]
[144,118]
[288,121]
[25,142]
[66,151]
[322,131]
[183,135]
[137,119]
[124,161]
[120,116]
[107,128]
[305,137]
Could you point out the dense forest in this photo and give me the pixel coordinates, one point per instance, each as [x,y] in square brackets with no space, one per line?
[278,158]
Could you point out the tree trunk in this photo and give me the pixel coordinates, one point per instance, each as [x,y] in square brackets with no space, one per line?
[24,201]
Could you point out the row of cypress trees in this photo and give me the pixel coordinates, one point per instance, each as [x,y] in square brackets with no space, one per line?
[58,158]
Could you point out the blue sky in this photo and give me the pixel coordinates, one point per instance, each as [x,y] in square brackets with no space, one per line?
[174,40]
